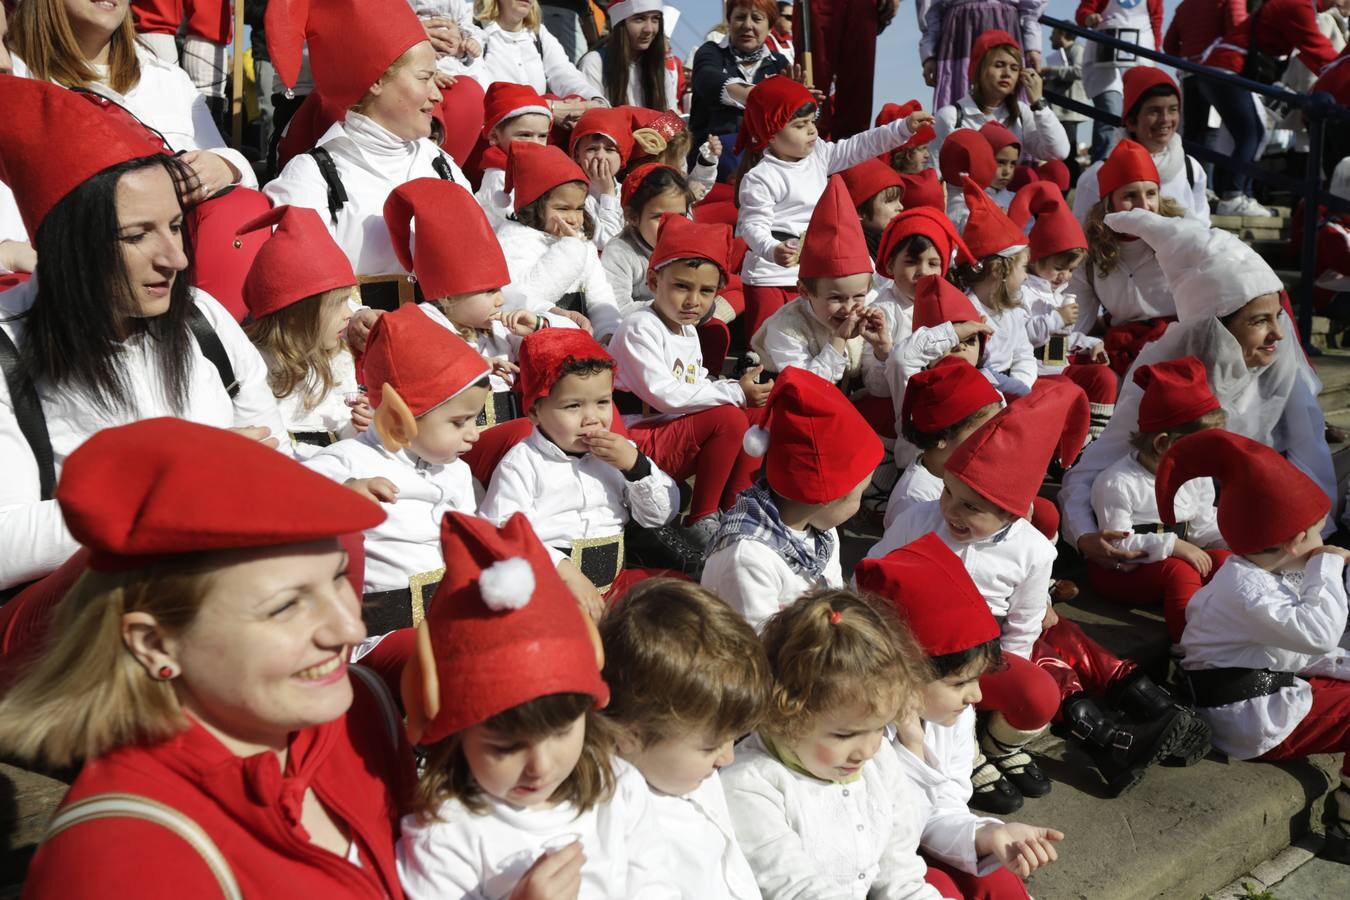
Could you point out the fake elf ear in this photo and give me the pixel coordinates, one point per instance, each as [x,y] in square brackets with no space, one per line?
[394,421]
[419,686]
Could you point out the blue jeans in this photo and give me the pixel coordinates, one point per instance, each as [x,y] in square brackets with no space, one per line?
[1102,132]
[1244,124]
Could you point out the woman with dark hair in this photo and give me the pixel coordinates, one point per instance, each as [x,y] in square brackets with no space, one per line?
[110,328]
[630,68]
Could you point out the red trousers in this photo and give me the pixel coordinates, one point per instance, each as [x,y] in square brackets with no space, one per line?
[1076,662]
[950,881]
[221,258]
[844,53]
[714,339]
[707,446]
[1325,729]
[1024,692]
[209,19]
[1171,582]
[762,301]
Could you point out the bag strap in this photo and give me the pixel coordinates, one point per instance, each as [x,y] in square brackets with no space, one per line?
[393,721]
[337,194]
[1190,169]
[23,396]
[213,349]
[132,806]
[442,167]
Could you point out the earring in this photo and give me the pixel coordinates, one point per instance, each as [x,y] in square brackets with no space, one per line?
[166,673]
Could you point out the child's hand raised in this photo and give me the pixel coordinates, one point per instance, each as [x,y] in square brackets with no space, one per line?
[503,368]
[557,226]
[1022,848]
[554,876]
[519,322]
[756,394]
[917,120]
[1068,313]
[713,145]
[1199,559]
[618,451]
[582,322]
[965,330]
[379,489]
[600,170]
[362,415]
[358,329]
[872,327]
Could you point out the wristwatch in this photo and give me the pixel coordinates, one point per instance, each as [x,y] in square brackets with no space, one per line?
[1039,105]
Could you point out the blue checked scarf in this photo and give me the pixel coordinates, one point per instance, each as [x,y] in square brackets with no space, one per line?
[755,518]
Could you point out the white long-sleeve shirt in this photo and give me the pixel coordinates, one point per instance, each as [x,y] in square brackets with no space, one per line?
[497,202]
[1124,496]
[1040,132]
[808,839]
[544,268]
[777,195]
[914,486]
[756,582]
[607,212]
[665,370]
[569,498]
[702,844]
[1011,568]
[462,855]
[1134,290]
[33,536]
[532,57]
[1043,304]
[331,413]
[1009,361]
[625,261]
[795,336]
[899,312]
[408,541]
[1249,618]
[592,65]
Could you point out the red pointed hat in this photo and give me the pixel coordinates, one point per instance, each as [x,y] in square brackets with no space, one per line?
[41,171]
[937,300]
[966,152]
[989,231]
[1055,172]
[939,397]
[890,112]
[503,627]
[924,189]
[834,244]
[615,124]
[1005,460]
[987,41]
[426,363]
[1264,500]
[999,136]
[142,493]
[817,447]
[1175,392]
[680,238]
[1056,228]
[771,105]
[299,260]
[934,595]
[867,179]
[930,223]
[507,100]
[532,170]
[1128,163]
[543,355]
[1139,79]
[343,71]
[639,174]
[456,252]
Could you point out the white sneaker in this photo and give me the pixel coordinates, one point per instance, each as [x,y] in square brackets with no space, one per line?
[1244,206]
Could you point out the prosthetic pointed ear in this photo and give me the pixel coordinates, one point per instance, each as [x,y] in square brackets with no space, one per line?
[651,142]
[394,421]
[420,686]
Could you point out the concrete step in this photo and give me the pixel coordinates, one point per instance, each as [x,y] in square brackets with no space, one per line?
[1333,368]
[27,801]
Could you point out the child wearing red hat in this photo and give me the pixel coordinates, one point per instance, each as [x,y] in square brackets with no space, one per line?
[911,157]
[876,191]
[779,540]
[924,189]
[966,154]
[784,170]
[946,323]
[967,855]
[511,112]
[520,786]
[688,677]
[578,482]
[427,387]
[687,422]
[649,192]
[1007,149]
[298,292]
[1264,644]
[1175,560]
[601,144]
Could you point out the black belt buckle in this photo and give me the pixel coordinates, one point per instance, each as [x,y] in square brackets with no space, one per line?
[389,292]
[1055,351]
[501,406]
[599,559]
[314,438]
[386,611]
[1178,529]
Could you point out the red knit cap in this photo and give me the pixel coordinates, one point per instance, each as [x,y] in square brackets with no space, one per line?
[456,250]
[934,595]
[299,260]
[615,124]
[1138,79]
[999,136]
[867,179]
[634,180]
[817,447]
[506,100]
[679,238]
[1005,460]
[1056,229]
[1175,392]
[543,354]
[769,108]
[928,222]
[987,41]
[834,245]
[937,300]
[532,170]
[142,493]
[352,43]
[41,171]
[1264,500]
[966,152]
[503,627]
[1128,163]
[924,189]
[426,363]
[989,231]
[943,395]
[893,111]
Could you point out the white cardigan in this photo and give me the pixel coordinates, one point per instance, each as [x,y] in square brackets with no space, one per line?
[703,847]
[544,268]
[512,56]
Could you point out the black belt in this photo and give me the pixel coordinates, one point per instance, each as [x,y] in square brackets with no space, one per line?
[386,611]
[502,406]
[1178,529]
[389,293]
[575,301]
[784,236]
[599,559]
[1220,687]
[316,438]
[1054,352]
[630,404]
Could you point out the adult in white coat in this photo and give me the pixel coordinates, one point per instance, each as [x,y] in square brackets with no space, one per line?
[517,48]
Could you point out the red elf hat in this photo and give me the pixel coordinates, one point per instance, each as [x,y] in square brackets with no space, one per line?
[939,397]
[41,171]
[426,363]
[1055,172]
[299,260]
[680,238]
[1129,162]
[502,630]
[1175,392]
[1139,79]
[456,250]
[932,224]
[532,170]
[506,100]
[924,189]
[1264,500]
[966,152]
[989,231]
[1056,229]
[987,41]
[834,244]
[343,70]
[770,106]
[634,180]
[142,493]
[652,130]
[999,136]
[817,446]
[1005,460]
[543,354]
[867,179]
[934,595]
[937,300]
[892,111]
[615,124]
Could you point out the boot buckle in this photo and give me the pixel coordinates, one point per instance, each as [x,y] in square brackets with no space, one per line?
[1122,741]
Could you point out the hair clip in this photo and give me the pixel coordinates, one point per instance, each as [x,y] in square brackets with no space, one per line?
[834,617]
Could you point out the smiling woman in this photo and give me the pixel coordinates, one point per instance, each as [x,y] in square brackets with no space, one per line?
[631,67]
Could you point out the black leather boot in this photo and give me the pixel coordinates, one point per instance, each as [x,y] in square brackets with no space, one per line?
[1143,700]
[1121,751]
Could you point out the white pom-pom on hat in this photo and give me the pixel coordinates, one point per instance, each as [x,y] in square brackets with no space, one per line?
[507,584]
[756,441]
